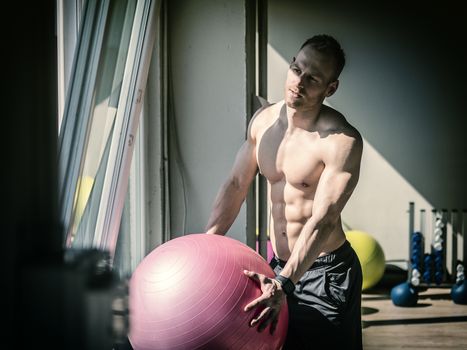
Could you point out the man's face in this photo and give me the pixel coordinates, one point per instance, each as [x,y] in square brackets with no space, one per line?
[310,79]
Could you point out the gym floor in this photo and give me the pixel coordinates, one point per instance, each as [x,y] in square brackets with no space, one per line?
[435,323]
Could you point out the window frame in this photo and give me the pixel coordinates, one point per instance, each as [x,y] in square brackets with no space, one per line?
[76,119]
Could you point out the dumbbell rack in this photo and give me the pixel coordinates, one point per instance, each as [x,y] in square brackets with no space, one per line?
[429,269]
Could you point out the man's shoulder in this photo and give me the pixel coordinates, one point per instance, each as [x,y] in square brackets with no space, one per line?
[333,122]
[343,141]
[265,116]
[270,110]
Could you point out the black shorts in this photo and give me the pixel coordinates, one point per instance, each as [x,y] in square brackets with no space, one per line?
[325,309]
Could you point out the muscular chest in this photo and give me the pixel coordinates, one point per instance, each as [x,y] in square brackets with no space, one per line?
[293,157]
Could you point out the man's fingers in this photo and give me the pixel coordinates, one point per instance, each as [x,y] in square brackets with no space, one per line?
[253,275]
[271,319]
[255,303]
[275,320]
[260,317]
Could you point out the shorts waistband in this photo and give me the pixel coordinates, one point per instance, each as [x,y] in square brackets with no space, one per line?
[333,257]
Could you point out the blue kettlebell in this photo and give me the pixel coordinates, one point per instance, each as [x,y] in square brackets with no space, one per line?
[459,293]
[404,294]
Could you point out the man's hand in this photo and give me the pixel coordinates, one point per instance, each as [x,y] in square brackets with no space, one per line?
[271,299]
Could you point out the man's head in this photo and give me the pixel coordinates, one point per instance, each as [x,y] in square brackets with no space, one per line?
[314,72]
[329,46]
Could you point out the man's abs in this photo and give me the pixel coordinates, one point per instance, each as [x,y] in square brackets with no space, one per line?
[283,236]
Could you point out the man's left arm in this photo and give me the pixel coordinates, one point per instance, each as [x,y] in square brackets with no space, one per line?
[337,182]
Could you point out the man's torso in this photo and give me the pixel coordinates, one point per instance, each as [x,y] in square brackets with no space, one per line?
[291,159]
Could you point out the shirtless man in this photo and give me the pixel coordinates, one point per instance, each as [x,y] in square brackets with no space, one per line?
[310,156]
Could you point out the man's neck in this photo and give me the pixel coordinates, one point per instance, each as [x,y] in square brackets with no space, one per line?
[303,118]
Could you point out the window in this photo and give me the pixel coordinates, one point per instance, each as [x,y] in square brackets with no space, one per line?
[100,120]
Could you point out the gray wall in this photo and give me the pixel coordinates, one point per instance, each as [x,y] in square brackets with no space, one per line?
[403,88]
[208,73]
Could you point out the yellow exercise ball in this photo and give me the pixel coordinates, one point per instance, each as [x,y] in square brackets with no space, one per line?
[371,256]
[83,190]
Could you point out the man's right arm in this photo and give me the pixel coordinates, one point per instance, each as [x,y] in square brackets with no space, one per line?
[233,192]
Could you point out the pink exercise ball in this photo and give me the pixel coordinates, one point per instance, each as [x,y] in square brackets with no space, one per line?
[190,293]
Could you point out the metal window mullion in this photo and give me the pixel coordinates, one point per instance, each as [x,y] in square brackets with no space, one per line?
[165,168]
[133,107]
[262,200]
[138,196]
[77,114]
[67,24]
[60,60]
[116,149]
[84,114]
[125,125]
[71,120]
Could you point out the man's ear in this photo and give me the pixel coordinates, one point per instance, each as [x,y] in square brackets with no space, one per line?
[332,88]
